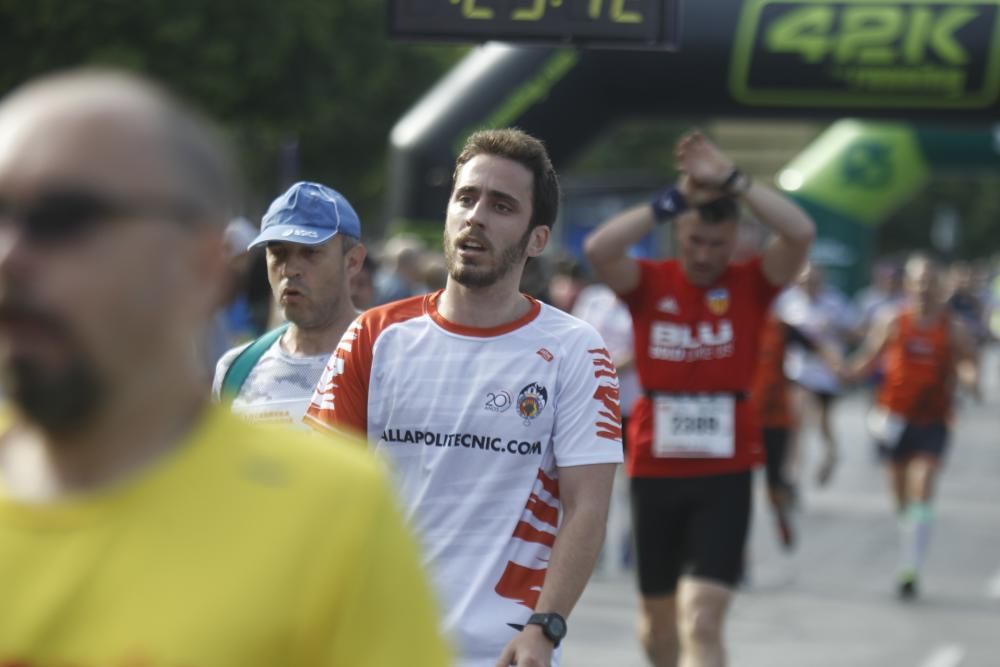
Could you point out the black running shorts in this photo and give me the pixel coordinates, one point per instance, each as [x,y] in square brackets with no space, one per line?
[692,525]
[925,440]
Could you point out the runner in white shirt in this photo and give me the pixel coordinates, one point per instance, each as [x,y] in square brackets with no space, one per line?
[499,415]
[830,322]
[600,307]
[312,237]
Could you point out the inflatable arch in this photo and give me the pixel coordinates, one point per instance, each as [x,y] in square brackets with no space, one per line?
[888,63]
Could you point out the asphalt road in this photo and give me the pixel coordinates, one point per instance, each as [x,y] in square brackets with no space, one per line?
[832,602]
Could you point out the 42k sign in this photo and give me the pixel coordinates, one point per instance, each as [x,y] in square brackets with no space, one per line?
[889,53]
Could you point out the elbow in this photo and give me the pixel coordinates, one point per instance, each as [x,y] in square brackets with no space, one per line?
[592,247]
[807,235]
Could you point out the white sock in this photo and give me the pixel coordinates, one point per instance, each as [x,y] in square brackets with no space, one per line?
[915,537]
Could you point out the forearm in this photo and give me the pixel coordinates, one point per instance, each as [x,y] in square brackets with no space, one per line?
[786,253]
[612,240]
[781,215]
[968,375]
[574,555]
[859,365]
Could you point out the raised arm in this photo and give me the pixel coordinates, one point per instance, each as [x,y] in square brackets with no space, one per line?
[712,174]
[607,247]
[706,174]
[861,362]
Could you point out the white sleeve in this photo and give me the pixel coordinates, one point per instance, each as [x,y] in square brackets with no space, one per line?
[588,413]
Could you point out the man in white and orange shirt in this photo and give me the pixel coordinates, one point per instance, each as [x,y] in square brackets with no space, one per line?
[499,415]
[925,350]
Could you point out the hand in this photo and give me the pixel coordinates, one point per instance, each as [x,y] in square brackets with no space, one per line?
[694,194]
[833,358]
[705,165]
[845,368]
[530,648]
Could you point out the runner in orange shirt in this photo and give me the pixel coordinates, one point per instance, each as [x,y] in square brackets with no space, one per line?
[770,398]
[926,349]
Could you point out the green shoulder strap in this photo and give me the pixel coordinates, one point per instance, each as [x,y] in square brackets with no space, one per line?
[245,361]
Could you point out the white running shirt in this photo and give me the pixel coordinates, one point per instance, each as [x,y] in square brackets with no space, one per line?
[278,389]
[475,424]
[600,307]
[824,320]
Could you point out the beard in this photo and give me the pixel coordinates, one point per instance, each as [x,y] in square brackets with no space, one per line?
[59,397]
[483,276]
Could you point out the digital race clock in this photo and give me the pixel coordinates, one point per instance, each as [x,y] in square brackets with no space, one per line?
[623,23]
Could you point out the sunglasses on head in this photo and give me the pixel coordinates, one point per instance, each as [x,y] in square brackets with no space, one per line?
[67,214]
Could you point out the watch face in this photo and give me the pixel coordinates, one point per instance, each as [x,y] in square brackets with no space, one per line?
[556,626]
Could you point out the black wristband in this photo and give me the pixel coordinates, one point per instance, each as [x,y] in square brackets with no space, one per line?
[667,204]
[736,176]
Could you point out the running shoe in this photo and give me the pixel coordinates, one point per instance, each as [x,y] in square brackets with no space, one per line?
[907,587]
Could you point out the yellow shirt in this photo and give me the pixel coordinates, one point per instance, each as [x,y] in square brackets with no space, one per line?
[245,546]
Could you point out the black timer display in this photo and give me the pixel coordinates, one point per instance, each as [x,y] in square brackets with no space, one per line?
[633,23]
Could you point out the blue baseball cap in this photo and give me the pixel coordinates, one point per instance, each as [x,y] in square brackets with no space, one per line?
[310,214]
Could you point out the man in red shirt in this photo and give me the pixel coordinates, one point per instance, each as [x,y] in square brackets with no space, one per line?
[693,437]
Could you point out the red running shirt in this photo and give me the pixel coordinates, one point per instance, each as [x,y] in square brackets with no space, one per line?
[691,339]
[769,390]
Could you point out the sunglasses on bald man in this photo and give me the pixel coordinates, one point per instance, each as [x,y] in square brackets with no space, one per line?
[66,214]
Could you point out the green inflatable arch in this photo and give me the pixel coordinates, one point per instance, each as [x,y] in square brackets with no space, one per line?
[857,173]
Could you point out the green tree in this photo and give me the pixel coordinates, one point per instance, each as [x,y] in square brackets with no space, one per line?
[975,197]
[315,81]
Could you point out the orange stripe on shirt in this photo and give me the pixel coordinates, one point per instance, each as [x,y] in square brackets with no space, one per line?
[341,396]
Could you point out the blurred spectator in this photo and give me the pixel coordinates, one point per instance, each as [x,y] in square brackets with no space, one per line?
[823,315]
[233,323]
[600,307]
[966,299]
[566,283]
[401,273]
[886,289]
[138,524]
[994,294]
[435,272]
[536,277]
[363,285]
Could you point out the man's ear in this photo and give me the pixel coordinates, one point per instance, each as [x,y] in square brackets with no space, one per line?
[354,259]
[539,239]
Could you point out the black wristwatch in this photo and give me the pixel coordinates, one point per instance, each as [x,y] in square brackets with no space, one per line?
[737,183]
[553,625]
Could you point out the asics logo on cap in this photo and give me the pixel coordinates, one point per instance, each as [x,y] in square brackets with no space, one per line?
[300,232]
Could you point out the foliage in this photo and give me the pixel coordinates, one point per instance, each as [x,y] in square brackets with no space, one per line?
[640,145]
[308,88]
[976,199]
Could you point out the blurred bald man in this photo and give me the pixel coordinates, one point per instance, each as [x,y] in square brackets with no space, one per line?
[138,525]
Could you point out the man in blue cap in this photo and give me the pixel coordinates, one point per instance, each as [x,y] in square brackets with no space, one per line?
[312,238]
